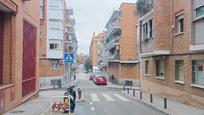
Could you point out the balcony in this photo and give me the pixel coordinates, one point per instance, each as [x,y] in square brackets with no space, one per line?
[198,39]
[148,49]
[70,11]
[72,21]
[113,55]
[195,48]
[147,45]
[114,32]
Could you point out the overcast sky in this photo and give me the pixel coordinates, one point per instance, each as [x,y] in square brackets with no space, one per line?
[91,16]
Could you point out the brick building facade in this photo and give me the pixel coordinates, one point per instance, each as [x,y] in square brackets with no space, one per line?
[19,37]
[172,60]
[57,37]
[121,58]
[94,50]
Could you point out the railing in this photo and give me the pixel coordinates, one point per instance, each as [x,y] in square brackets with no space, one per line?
[110,32]
[147,45]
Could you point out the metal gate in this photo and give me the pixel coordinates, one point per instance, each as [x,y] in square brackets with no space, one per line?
[29,59]
[1,47]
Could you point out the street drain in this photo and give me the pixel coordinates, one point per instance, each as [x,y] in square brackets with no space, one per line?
[18,111]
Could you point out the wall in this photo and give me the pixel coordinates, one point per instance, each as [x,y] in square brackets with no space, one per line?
[13,52]
[128,37]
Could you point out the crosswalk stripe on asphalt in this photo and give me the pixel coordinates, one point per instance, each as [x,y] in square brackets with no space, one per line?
[94,98]
[121,97]
[108,97]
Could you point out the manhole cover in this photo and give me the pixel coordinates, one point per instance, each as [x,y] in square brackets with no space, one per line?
[18,111]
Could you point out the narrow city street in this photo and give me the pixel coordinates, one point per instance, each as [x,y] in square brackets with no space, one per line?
[99,100]
[102,101]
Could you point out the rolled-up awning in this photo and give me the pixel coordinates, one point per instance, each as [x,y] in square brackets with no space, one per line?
[8,6]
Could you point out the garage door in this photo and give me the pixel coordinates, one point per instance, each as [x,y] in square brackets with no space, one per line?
[29,58]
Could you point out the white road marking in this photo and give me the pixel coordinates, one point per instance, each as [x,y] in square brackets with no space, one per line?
[94,98]
[121,97]
[92,109]
[108,97]
[91,103]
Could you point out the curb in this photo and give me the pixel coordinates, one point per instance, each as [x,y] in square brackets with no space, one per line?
[48,89]
[147,104]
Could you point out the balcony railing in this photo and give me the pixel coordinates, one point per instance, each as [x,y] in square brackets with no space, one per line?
[114,57]
[113,33]
[147,45]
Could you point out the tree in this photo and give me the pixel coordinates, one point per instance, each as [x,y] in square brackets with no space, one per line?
[144,6]
[88,64]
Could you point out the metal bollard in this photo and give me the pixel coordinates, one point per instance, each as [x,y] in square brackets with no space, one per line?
[133,92]
[128,90]
[79,93]
[151,98]
[165,103]
[140,94]
[124,88]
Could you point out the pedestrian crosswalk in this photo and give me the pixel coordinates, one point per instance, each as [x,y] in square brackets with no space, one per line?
[94,98]
[108,97]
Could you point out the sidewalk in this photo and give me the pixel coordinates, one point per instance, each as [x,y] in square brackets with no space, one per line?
[115,86]
[173,107]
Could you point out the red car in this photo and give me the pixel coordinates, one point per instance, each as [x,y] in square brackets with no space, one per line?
[101,80]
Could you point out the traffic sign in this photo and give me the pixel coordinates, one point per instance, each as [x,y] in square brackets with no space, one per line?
[69,58]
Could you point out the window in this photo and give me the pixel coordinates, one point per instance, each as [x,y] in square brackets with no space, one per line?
[198,72]
[200,11]
[179,70]
[147,67]
[55,4]
[180,22]
[160,69]
[41,9]
[41,12]
[198,23]
[55,24]
[41,29]
[55,66]
[54,46]
[148,30]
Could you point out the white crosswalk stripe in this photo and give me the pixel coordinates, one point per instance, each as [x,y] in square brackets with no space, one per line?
[94,98]
[108,97]
[121,97]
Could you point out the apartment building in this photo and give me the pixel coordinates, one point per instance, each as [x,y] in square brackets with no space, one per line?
[121,58]
[54,42]
[19,38]
[94,50]
[172,53]
[70,45]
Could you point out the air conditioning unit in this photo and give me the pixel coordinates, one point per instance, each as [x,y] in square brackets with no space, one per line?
[61,62]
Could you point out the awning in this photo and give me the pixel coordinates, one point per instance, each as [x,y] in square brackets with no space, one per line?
[8,6]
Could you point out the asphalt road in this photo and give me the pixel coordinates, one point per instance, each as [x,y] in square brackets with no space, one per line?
[100,100]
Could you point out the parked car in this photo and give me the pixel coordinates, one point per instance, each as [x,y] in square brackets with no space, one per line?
[100,80]
[91,77]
